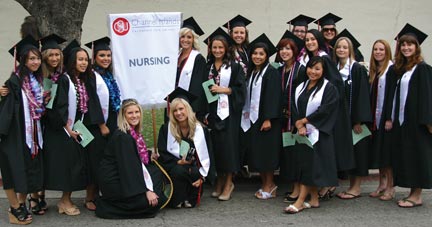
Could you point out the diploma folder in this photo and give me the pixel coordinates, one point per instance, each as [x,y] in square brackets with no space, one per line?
[206,86]
[86,136]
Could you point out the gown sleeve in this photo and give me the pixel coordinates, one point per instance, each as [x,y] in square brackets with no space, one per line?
[238,87]
[425,93]
[8,103]
[167,159]
[271,95]
[94,115]
[361,108]
[199,73]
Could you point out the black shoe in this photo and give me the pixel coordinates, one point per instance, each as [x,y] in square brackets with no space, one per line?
[36,209]
[42,203]
[19,215]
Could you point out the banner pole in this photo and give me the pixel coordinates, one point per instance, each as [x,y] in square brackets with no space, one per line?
[154,132]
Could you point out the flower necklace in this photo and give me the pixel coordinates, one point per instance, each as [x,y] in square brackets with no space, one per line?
[54,76]
[141,146]
[212,76]
[34,94]
[114,91]
[82,96]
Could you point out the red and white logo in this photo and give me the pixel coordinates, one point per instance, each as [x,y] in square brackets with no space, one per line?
[121,26]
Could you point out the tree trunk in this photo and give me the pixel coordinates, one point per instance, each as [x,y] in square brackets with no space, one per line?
[63,18]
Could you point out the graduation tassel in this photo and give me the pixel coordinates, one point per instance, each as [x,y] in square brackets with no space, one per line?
[202,181]
[15,59]
[92,61]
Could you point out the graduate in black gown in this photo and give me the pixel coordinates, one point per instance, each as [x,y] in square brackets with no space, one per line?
[412,125]
[292,73]
[21,140]
[131,184]
[225,113]
[356,95]
[315,113]
[380,152]
[261,116]
[103,109]
[240,34]
[185,151]
[65,167]
[191,66]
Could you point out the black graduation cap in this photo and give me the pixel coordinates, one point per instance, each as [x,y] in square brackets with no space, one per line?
[237,21]
[301,20]
[181,93]
[328,19]
[346,33]
[99,44]
[68,49]
[23,46]
[299,42]
[411,30]
[219,32]
[264,39]
[51,42]
[192,24]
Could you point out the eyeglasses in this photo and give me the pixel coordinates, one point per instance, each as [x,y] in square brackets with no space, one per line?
[329,29]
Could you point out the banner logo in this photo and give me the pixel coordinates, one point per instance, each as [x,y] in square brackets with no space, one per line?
[121,26]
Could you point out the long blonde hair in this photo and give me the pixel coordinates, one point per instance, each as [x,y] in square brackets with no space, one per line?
[122,123]
[47,70]
[184,31]
[373,64]
[174,125]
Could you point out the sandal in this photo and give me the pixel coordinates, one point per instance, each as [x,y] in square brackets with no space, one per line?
[267,195]
[71,211]
[19,215]
[36,209]
[327,195]
[86,202]
[343,195]
[387,196]
[291,209]
[379,192]
[42,203]
[412,203]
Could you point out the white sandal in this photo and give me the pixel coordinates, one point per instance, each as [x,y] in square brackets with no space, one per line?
[267,195]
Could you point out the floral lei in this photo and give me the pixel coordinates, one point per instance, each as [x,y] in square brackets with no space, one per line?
[114,91]
[81,95]
[212,76]
[34,92]
[141,146]
[54,77]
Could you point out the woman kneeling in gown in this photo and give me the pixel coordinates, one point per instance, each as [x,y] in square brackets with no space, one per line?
[130,183]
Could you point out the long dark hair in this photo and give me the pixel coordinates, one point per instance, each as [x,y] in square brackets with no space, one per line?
[71,66]
[24,71]
[228,56]
[321,42]
[311,63]
[98,68]
[283,43]
[252,66]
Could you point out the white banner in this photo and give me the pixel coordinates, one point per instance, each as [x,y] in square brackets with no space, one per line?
[145,50]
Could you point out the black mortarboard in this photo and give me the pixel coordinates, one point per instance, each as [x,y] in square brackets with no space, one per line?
[328,19]
[219,32]
[301,20]
[411,30]
[99,44]
[23,46]
[181,93]
[299,42]
[68,49]
[346,33]
[237,21]
[51,42]
[264,39]
[192,24]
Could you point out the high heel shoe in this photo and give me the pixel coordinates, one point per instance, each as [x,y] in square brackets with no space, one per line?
[19,215]
[36,209]
[327,195]
[267,195]
[71,211]
[223,197]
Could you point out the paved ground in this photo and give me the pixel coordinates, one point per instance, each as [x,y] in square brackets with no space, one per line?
[244,210]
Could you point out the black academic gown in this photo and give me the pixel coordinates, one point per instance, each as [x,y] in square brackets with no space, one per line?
[183,175]
[381,144]
[264,146]
[65,162]
[19,171]
[358,100]
[225,133]
[122,184]
[317,166]
[412,159]
[286,158]
[199,75]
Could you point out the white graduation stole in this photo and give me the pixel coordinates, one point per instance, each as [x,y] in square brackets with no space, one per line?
[223,101]
[199,140]
[186,73]
[404,87]
[29,124]
[313,104]
[305,58]
[380,95]
[346,70]
[147,178]
[103,94]
[251,108]
[72,105]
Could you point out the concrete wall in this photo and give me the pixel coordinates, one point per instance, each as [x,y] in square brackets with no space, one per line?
[368,20]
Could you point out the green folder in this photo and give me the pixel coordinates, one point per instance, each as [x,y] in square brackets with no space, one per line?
[210,96]
[303,140]
[53,95]
[357,137]
[288,139]
[184,148]
[86,135]
[47,84]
